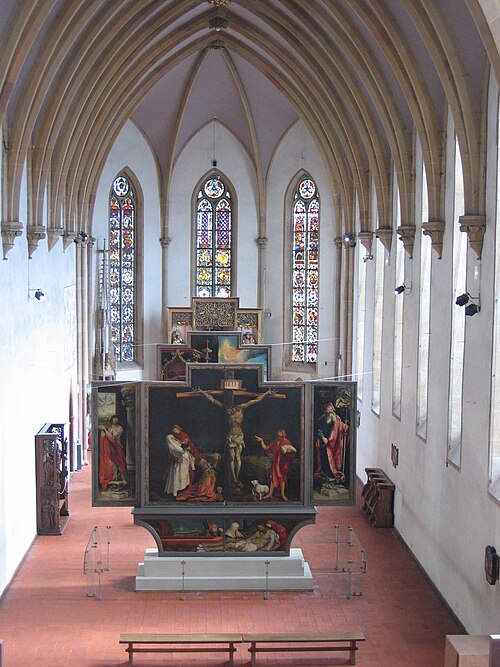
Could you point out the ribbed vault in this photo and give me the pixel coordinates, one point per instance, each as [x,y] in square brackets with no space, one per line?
[365,76]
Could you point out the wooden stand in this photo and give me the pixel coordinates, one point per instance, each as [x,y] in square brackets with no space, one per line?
[378,494]
[467,651]
[51,480]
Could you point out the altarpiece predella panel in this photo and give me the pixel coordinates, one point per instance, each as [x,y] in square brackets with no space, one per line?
[334,425]
[115,434]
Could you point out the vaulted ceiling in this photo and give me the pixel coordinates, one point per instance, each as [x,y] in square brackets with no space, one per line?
[364,76]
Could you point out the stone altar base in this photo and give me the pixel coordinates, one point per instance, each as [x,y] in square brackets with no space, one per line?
[216,573]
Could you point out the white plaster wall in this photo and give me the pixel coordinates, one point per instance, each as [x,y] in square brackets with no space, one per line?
[131,151]
[296,152]
[445,515]
[194,161]
[38,376]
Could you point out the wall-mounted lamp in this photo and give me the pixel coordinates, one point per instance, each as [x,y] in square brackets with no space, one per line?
[37,294]
[349,240]
[367,257]
[470,308]
[402,288]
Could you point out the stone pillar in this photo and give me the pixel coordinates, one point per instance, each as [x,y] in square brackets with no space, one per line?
[164,242]
[261,267]
[337,241]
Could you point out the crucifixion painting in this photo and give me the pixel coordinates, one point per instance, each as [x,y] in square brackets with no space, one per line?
[225,415]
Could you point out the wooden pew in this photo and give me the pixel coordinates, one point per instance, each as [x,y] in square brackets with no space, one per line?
[192,643]
[306,641]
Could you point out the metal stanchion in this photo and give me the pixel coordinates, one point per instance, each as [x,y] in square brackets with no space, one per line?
[349,570]
[108,566]
[336,566]
[183,573]
[266,592]
[99,572]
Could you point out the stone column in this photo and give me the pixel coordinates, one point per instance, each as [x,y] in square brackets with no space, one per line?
[261,267]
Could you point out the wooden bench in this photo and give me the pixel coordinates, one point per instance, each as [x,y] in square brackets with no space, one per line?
[305,642]
[193,643]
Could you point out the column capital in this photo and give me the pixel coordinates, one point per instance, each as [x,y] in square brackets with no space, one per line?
[475,226]
[366,240]
[10,230]
[34,234]
[385,236]
[435,229]
[407,235]
[53,235]
[68,238]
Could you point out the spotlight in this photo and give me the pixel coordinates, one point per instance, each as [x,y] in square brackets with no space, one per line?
[472,309]
[462,300]
[36,294]
[82,236]
[402,288]
[349,240]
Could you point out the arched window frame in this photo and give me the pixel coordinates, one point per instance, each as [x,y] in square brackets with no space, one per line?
[137,356]
[199,196]
[310,333]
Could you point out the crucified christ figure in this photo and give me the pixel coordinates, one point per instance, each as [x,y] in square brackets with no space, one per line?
[234,439]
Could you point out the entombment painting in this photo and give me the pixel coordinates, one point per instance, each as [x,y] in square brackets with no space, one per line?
[334,443]
[216,534]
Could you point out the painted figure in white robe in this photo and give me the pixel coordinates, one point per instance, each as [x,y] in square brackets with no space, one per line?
[182,455]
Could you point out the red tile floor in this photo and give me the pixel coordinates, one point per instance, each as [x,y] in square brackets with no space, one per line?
[46,618]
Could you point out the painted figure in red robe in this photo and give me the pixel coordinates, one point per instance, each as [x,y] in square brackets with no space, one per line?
[112,463]
[330,445]
[281,450]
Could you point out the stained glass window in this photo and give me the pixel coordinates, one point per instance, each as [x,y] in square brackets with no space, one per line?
[305,272]
[213,239]
[122,222]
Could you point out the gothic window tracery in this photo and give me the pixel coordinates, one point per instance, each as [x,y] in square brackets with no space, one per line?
[122,260]
[305,272]
[213,239]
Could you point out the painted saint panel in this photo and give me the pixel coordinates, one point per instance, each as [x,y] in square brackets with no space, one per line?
[224,438]
[114,443]
[334,443]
